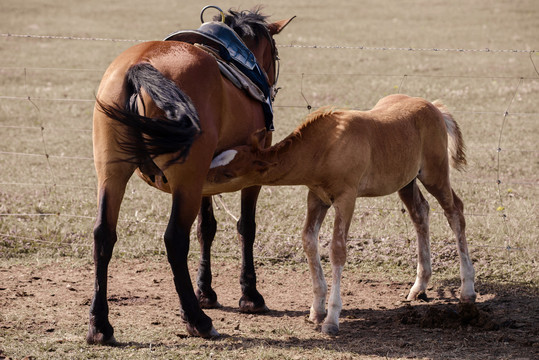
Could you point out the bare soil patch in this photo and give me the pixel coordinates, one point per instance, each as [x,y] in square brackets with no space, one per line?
[44,310]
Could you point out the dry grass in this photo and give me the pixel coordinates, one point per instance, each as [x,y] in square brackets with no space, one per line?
[47,204]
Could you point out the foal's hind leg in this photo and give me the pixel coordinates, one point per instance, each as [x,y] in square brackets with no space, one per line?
[453,210]
[112,181]
[418,208]
[251,300]
[206,228]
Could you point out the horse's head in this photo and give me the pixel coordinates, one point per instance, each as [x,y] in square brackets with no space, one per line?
[252,27]
[242,165]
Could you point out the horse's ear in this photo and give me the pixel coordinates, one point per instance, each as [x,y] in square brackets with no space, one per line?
[261,166]
[258,139]
[278,26]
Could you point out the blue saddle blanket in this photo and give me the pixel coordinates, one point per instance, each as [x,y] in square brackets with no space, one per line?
[231,49]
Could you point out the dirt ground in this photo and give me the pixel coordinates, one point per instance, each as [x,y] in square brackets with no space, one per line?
[49,304]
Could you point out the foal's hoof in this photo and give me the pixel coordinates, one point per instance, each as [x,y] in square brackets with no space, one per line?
[422,296]
[469,299]
[330,329]
[317,318]
[211,334]
[252,307]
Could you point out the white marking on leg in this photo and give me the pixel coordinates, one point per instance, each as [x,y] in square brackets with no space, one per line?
[331,324]
[223,158]
[320,288]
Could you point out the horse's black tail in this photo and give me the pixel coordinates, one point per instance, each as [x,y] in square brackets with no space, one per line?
[152,137]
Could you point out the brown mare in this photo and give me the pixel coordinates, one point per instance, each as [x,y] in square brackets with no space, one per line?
[341,155]
[187,113]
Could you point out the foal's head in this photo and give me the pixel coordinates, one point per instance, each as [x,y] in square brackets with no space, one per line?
[242,165]
[252,27]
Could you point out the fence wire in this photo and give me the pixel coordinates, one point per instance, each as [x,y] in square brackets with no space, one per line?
[53,184]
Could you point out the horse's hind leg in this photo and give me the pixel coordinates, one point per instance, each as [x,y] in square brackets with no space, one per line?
[418,208]
[251,300]
[206,228]
[111,191]
[453,210]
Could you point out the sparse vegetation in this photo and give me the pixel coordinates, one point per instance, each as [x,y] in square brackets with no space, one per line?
[47,181]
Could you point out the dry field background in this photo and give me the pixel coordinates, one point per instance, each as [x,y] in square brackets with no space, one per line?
[342,53]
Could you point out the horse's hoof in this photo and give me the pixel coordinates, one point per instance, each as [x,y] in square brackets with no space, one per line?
[208,300]
[251,307]
[468,299]
[317,318]
[100,335]
[211,334]
[330,329]
[422,295]
[100,339]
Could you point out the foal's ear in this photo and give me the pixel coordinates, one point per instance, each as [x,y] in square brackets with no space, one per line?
[261,166]
[258,139]
[278,26]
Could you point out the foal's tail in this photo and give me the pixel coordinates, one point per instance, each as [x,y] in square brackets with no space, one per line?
[154,136]
[455,147]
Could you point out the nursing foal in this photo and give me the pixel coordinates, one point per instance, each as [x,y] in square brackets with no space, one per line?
[341,155]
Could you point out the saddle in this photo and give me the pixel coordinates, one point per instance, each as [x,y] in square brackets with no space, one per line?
[236,62]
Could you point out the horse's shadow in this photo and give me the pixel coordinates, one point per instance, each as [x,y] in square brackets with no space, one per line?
[416,329]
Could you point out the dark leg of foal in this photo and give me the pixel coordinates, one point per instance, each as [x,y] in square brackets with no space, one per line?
[418,208]
[206,228]
[251,300]
[177,245]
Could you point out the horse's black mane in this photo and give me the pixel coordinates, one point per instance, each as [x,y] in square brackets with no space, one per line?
[247,23]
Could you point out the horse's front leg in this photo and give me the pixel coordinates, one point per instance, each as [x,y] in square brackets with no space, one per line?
[344,210]
[251,300]
[316,212]
[184,210]
[206,228]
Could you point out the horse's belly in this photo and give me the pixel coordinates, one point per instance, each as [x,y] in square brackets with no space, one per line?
[385,184]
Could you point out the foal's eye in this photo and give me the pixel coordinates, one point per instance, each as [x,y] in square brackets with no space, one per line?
[228,175]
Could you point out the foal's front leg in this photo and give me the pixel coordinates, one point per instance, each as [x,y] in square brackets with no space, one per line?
[316,212]
[344,210]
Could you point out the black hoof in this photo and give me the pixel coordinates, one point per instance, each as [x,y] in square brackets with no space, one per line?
[251,306]
[100,335]
[209,334]
[207,299]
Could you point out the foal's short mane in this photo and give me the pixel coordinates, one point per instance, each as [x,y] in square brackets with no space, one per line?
[310,121]
[249,24]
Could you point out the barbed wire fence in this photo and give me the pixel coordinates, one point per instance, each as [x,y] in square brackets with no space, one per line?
[52,183]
